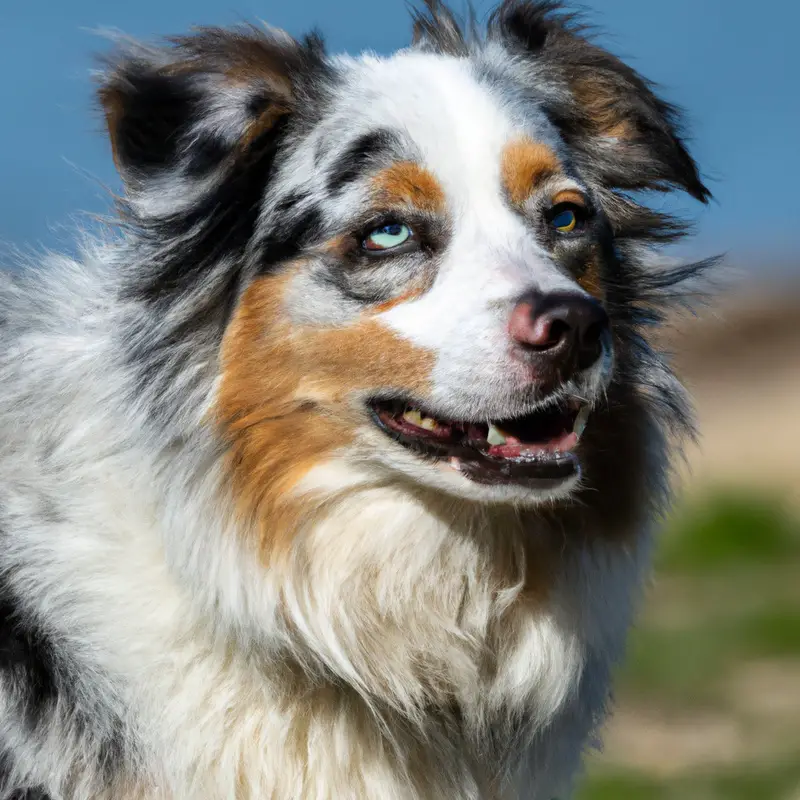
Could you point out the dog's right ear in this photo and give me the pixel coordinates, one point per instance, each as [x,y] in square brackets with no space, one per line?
[178,113]
[623,133]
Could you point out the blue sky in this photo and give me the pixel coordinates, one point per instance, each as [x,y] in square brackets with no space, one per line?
[735,71]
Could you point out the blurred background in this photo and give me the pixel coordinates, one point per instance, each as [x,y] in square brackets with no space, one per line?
[709,701]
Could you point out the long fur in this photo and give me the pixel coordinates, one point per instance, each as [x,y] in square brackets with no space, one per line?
[204,594]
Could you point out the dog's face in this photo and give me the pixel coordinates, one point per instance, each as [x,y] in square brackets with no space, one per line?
[444,311]
[421,255]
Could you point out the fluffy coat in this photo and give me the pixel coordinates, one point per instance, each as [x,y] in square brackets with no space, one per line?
[218,578]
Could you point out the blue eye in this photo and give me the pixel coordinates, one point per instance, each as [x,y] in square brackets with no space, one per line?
[565,221]
[388,237]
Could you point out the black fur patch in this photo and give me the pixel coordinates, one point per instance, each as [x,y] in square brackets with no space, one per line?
[29,794]
[287,240]
[365,150]
[155,101]
[437,28]
[220,223]
[37,677]
[152,112]
[290,202]
[27,664]
[27,659]
[207,153]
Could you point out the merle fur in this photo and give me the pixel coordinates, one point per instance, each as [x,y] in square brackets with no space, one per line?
[35,668]
[367,149]
[185,249]
[221,224]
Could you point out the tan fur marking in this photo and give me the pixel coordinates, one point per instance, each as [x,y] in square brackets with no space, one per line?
[274,436]
[339,246]
[570,196]
[256,60]
[363,356]
[407,183]
[597,100]
[263,123]
[591,279]
[387,305]
[247,73]
[114,108]
[525,164]
[282,399]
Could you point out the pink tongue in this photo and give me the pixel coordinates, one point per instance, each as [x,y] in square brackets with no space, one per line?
[515,449]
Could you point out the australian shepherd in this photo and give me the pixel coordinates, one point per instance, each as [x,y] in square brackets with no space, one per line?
[331,471]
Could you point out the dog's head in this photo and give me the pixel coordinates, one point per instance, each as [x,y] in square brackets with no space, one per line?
[424,265]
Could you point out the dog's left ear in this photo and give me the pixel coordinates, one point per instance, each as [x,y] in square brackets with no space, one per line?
[199,128]
[622,133]
[180,113]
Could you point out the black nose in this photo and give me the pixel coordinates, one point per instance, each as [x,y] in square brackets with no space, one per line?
[565,329]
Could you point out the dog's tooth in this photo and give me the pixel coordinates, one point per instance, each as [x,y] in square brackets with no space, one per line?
[580,421]
[496,436]
[414,417]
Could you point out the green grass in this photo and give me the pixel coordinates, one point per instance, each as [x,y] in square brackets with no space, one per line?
[731,564]
[778,782]
[686,664]
[728,529]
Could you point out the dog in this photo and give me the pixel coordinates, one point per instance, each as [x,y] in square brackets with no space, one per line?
[332,469]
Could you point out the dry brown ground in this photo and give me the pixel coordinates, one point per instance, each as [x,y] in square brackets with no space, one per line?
[741,360]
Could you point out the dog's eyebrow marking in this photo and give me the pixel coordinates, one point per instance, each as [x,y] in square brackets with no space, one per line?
[409,184]
[365,150]
[524,164]
[570,196]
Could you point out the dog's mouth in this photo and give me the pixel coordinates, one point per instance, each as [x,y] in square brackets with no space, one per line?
[536,450]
